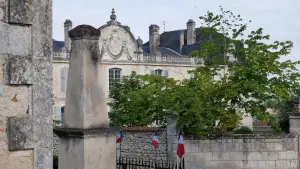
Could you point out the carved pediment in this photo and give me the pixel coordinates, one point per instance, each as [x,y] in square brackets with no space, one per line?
[117,43]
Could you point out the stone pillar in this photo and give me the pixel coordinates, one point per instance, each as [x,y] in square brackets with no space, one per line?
[295,117]
[171,139]
[86,142]
[68,27]
[154,39]
[191,34]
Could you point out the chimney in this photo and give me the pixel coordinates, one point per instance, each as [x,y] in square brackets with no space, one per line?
[153,38]
[191,34]
[139,42]
[181,42]
[68,27]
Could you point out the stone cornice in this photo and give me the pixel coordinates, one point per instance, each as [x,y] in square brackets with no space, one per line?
[84,32]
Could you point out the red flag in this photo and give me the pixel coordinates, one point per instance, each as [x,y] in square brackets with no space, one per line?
[155,141]
[120,138]
[180,146]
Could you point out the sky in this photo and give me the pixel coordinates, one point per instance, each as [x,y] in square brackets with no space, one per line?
[278,18]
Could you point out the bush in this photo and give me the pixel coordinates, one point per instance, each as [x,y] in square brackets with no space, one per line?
[243,130]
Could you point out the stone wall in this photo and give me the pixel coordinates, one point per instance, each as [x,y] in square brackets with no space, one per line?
[137,144]
[243,152]
[238,152]
[26,84]
[55,144]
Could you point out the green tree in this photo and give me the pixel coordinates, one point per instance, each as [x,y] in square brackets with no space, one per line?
[123,112]
[250,73]
[253,72]
[282,109]
[138,100]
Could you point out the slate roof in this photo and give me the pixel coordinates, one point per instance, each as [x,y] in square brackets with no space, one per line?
[169,43]
[171,40]
[163,50]
[57,45]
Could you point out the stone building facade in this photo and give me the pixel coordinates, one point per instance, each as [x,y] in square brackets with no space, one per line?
[25,84]
[165,54]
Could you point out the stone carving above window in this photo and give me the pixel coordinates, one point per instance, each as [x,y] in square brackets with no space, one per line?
[117,43]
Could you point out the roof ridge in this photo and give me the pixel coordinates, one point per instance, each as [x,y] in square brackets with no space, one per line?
[178,30]
[171,50]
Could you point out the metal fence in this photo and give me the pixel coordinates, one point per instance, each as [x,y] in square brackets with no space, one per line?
[131,163]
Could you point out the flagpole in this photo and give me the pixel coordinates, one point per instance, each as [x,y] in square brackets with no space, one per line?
[120,149]
[155,157]
[180,164]
[177,165]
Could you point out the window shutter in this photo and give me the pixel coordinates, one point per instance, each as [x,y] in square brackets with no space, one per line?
[57,113]
[166,73]
[121,73]
[62,79]
[66,79]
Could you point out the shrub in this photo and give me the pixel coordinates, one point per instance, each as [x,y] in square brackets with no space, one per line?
[243,130]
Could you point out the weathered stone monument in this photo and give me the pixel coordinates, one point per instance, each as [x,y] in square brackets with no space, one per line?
[26,84]
[86,142]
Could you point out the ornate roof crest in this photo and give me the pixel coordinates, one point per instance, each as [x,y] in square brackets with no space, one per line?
[113,18]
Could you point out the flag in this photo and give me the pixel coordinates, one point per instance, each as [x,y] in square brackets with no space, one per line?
[155,141]
[180,146]
[120,137]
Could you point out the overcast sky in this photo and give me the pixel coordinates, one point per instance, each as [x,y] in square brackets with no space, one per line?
[277,17]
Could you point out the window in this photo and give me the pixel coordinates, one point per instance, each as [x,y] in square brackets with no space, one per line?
[160,72]
[114,76]
[57,113]
[63,79]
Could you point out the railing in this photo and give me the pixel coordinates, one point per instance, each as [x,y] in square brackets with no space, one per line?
[146,58]
[61,55]
[168,59]
[130,163]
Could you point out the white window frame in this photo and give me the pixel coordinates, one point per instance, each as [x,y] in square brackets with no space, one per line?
[114,76]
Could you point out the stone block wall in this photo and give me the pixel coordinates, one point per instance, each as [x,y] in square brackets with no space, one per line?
[238,152]
[26,84]
[137,144]
[243,152]
[55,144]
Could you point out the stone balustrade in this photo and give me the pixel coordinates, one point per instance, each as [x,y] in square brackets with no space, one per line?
[168,59]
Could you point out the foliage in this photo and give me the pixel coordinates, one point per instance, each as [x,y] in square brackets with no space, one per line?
[135,102]
[205,104]
[282,109]
[243,130]
[57,122]
[256,74]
